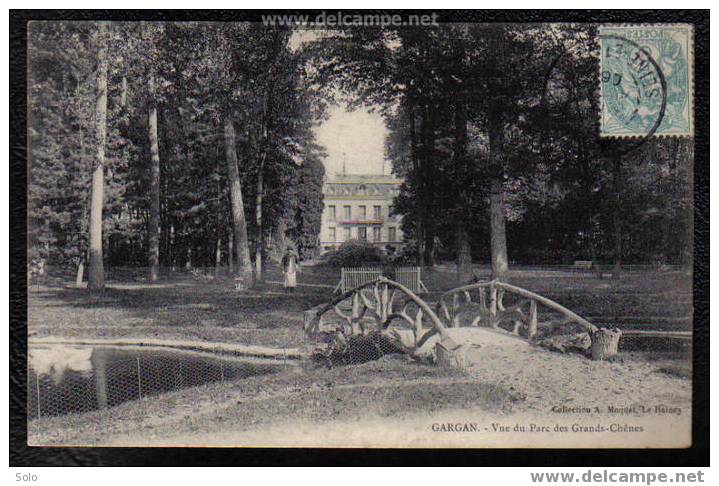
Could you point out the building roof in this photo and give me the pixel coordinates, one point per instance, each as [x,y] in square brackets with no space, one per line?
[361,186]
[363,178]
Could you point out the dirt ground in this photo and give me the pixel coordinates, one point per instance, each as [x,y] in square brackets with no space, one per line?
[383,403]
[537,386]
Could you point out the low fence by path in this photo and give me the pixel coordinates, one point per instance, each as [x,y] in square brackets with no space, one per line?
[572,268]
[410,277]
[355,276]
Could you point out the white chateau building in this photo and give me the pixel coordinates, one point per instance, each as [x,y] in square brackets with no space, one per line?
[358,207]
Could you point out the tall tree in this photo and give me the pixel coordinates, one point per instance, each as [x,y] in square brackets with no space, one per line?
[239,223]
[275,64]
[61,100]
[154,219]
[96,275]
[460,156]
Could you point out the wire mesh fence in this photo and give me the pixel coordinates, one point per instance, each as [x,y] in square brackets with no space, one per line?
[112,379]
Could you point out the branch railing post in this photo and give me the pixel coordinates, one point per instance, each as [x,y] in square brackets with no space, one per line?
[313,317]
[497,312]
[532,320]
[492,305]
[355,313]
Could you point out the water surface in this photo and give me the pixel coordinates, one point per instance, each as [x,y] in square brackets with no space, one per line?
[77,379]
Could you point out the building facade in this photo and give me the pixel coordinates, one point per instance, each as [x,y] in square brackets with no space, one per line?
[359,207]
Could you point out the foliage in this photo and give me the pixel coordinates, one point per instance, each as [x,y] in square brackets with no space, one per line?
[195,74]
[62,143]
[353,253]
[467,107]
[530,99]
[305,216]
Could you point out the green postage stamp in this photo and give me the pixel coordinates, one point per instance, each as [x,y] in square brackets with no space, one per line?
[646,80]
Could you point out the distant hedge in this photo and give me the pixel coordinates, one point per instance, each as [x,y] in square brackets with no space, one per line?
[353,253]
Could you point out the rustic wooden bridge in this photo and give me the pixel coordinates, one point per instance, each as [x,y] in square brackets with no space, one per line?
[394,310]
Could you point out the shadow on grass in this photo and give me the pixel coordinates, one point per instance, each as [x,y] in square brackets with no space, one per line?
[183,308]
[201,302]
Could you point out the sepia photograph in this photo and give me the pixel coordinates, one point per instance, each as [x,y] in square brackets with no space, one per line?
[361,230]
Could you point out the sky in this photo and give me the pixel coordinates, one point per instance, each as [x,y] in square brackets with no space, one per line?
[357,137]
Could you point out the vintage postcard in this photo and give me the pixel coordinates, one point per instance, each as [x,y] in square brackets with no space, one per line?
[360,230]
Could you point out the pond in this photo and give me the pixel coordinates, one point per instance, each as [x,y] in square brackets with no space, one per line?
[78,379]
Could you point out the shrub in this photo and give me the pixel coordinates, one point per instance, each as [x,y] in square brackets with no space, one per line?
[353,253]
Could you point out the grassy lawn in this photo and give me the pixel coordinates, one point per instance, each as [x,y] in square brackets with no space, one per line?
[187,307]
[181,308]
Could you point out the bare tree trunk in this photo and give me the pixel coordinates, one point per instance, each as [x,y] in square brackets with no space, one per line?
[464,255]
[498,236]
[96,273]
[605,343]
[230,252]
[421,249]
[464,251]
[260,240]
[616,217]
[218,256]
[420,210]
[123,92]
[259,243]
[171,249]
[430,249]
[242,248]
[500,265]
[154,220]
[687,241]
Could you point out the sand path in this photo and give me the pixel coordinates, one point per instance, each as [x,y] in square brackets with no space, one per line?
[567,404]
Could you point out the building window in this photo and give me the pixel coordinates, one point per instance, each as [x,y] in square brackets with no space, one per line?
[362,233]
[348,213]
[376,234]
[378,212]
[392,234]
[348,233]
[363,212]
[333,234]
[333,213]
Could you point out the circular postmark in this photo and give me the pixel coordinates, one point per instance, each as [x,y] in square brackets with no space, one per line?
[634,90]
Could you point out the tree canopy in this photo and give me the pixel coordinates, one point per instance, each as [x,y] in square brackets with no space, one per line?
[208,155]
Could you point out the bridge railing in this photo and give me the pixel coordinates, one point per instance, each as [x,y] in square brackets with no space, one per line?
[380,303]
[483,304]
[386,306]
